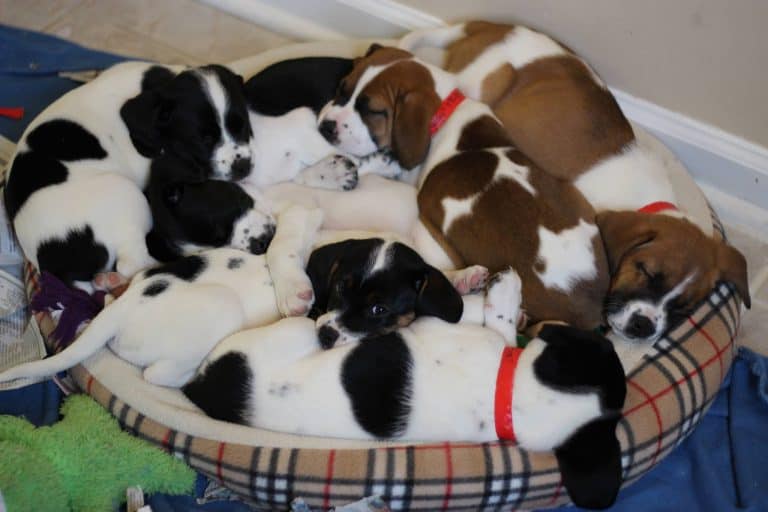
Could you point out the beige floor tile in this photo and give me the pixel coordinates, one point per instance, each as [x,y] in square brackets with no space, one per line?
[754,329]
[34,14]
[754,249]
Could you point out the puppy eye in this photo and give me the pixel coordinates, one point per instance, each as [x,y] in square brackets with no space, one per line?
[379,310]
[643,269]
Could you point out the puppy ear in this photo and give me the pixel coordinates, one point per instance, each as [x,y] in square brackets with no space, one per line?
[143,115]
[172,194]
[438,297]
[322,269]
[410,129]
[590,463]
[622,231]
[372,48]
[733,269]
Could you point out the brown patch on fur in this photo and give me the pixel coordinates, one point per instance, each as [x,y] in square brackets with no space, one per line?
[502,230]
[497,83]
[479,36]
[406,319]
[669,249]
[557,115]
[483,133]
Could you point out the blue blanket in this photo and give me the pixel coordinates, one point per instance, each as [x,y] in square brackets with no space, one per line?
[720,467]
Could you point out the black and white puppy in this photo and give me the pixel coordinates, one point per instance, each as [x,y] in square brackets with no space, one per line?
[74,186]
[284,101]
[430,381]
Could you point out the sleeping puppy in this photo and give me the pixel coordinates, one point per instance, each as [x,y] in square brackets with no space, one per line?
[555,108]
[74,186]
[287,146]
[430,381]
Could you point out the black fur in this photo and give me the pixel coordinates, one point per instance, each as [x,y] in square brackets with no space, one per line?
[187,209]
[406,288]
[65,140]
[590,463]
[29,173]
[376,376]
[156,77]
[186,268]
[156,288]
[175,117]
[577,361]
[79,257]
[222,391]
[289,84]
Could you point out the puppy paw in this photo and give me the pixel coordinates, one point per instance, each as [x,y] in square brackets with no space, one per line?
[109,281]
[503,297]
[294,295]
[335,172]
[469,280]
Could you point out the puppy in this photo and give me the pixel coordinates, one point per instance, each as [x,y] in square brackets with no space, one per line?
[74,186]
[556,109]
[431,381]
[284,106]
[480,200]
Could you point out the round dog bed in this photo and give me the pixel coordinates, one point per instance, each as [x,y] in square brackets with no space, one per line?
[670,386]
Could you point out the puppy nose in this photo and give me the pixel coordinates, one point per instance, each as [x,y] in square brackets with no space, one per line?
[328,130]
[259,245]
[327,336]
[640,326]
[241,168]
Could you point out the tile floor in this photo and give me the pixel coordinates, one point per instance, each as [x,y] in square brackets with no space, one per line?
[154,30]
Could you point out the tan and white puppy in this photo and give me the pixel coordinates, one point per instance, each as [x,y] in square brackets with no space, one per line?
[479,198]
[560,114]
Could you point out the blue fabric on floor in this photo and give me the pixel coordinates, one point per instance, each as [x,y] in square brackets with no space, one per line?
[29,63]
[720,467]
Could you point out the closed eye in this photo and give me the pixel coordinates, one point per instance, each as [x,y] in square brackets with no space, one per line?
[643,269]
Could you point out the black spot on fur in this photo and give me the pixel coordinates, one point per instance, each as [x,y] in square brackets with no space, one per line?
[30,172]
[223,389]
[156,288]
[186,268]
[155,77]
[376,376]
[235,263]
[79,257]
[65,140]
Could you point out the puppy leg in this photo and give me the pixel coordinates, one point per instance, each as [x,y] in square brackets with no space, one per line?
[468,280]
[502,304]
[334,172]
[287,256]
[381,163]
[168,372]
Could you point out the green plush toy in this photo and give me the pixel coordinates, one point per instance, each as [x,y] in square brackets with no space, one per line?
[83,462]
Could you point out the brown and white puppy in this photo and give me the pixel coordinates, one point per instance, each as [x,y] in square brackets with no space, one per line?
[560,114]
[481,199]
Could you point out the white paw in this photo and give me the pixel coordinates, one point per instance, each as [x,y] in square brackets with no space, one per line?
[294,295]
[469,280]
[334,172]
[502,304]
[108,281]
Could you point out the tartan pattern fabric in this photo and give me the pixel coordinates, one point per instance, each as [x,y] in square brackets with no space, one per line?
[667,395]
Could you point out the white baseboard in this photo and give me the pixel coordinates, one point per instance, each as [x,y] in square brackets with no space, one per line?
[732,171]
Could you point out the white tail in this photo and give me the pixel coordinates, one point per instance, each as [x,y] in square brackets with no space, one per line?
[95,336]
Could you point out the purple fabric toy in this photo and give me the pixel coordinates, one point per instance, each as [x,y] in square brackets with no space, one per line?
[76,306]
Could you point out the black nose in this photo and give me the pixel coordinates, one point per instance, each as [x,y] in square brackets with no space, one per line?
[240,168]
[259,245]
[640,326]
[327,336]
[328,130]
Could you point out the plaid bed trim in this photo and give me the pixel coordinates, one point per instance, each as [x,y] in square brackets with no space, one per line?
[667,394]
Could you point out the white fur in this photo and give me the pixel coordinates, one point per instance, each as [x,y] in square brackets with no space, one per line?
[568,256]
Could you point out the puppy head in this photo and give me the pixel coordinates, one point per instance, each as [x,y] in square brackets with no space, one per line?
[199,115]
[661,268]
[217,214]
[385,103]
[366,287]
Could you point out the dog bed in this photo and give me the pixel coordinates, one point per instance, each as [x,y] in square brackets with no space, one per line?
[670,387]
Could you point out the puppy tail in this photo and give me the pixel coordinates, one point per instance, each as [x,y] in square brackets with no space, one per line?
[438,37]
[100,331]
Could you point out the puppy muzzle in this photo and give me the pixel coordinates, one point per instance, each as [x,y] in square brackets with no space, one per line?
[259,245]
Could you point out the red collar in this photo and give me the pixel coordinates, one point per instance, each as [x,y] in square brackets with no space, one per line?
[445,110]
[658,206]
[503,402]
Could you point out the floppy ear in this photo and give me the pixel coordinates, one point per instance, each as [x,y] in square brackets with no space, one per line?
[172,194]
[590,463]
[410,129]
[438,297]
[371,49]
[733,269]
[144,115]
[622,231]
[321,269]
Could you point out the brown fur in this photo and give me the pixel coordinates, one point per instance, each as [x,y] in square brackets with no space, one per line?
[669,248]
